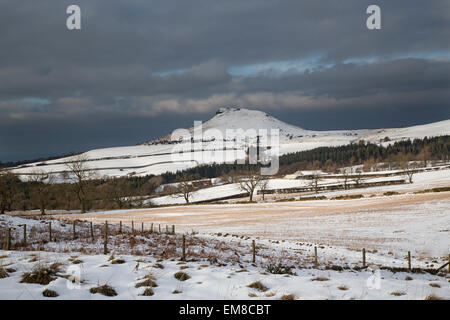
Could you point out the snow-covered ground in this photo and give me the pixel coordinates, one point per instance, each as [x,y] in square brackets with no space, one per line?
[219,266]
[208,281]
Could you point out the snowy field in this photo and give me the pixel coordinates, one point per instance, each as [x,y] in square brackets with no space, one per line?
[207,281]
[144,265]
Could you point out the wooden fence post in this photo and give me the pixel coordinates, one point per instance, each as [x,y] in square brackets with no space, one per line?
[8,238]
[364,258]
[167,228]
[91,227]
[142,227]
[151,228]
[25,235]
[105,242]
[173,229]
[132,226]
[74,234]
[50,231]
[183,248]
[409,261]
[316,262]
[159,228]
[120,227]
[449,263]
[253,251]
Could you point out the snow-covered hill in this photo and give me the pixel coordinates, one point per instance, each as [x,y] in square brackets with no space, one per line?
[159,156]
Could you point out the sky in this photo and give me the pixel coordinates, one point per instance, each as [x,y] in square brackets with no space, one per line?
[138,69]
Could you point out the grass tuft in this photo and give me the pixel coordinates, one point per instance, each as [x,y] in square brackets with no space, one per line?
[288,297]
[104,290]
[117,261]
[3,273]
[41,274]
[320,279]
[258,286]
[50,293]
[148,292]
[432,297]
[146,283]
[181,276]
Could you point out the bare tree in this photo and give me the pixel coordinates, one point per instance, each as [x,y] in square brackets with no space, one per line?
[184,188]
[249,181]
[8,189]
[79,174]
[118,191]
[408,168]
[314,181]
[263,186]
[345,177]
[40,194]
[357,179]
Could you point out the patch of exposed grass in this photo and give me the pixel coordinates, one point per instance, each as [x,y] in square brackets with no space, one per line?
[435,285]
[158,265]
[432,297]
[342,287]
[252,295]
[242,270]
[77,261]
[3,273]
[146,283]
[117,261]
[105,290]
[176,292]
[288,297]
[148,292]
[397,293]
[258,286]
[181,276]
[10,270]
[408,278]
[50,293]
[184,267]
[270,294]
[320,279]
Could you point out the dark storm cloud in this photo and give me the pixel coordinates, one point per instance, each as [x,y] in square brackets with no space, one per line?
[157,64]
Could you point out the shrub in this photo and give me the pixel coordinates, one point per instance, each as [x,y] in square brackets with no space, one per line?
[279,269]
[41,274]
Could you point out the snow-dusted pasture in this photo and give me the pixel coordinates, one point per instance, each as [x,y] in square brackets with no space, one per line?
[219,266]
[210,281]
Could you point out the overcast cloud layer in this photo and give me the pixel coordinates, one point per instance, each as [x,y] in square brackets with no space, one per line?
[139,69]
